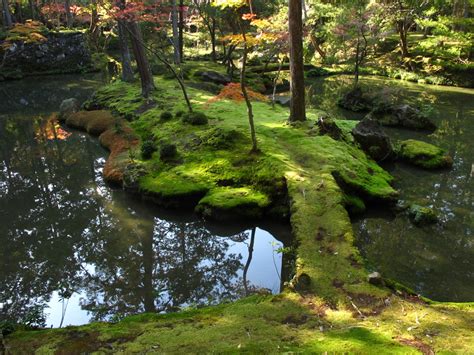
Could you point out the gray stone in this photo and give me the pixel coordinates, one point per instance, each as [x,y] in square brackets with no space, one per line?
[373,140]
[67,107]
[421,216]
[283,100]
[215,77]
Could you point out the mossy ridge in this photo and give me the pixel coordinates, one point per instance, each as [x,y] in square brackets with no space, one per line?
[424,155]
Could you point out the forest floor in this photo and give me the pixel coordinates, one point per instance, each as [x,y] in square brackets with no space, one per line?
[329,305]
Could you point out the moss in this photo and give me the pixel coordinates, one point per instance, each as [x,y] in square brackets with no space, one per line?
[166,116]
[195,118]
[422,215]
[354,204]
[226,203]
[424,155]
[339,311]
[172,189]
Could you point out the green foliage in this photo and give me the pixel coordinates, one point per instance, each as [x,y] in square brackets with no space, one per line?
[168,151]
[166,116]
[195,118]
[147,149]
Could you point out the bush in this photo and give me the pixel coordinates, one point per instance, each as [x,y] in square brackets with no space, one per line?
[166,116]
[148,148]
[168,151]
[179,114]
[195,118]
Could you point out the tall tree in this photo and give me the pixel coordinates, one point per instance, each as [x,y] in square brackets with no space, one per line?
[7,17]
[181,30]
[297,105]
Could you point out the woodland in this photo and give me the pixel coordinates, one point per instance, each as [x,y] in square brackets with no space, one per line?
[226,176]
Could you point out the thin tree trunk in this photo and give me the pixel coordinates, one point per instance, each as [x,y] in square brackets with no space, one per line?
[174,21]
[297,105]
[181,30]
[32,6]
[7,17]
[275,82]
[146,78]
[244,92]
[67,7]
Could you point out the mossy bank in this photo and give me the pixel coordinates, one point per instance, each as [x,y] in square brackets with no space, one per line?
[330,305]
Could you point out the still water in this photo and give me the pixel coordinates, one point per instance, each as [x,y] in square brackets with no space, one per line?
[436,261]
[72,249]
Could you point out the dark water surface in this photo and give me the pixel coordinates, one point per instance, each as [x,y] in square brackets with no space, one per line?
[436,261]
[72,247]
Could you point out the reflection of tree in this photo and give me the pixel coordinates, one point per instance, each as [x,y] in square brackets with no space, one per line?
[169,265]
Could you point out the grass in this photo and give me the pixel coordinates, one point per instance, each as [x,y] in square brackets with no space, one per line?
[335,308]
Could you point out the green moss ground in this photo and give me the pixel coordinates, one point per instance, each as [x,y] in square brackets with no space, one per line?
[335,308]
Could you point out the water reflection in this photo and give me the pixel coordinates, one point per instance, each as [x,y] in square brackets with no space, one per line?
[71,243]
[437,261]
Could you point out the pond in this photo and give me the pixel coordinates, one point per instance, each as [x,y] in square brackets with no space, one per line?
[73,249]
[436,261]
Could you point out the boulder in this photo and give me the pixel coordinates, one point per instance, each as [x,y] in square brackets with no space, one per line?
[373,140]
[355,100]
[215,77]
[283,100]
[68,107]
[424,155]
[421,216]
[327,126]
[404,116]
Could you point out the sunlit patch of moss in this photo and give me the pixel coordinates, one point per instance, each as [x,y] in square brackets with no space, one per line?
[423,154]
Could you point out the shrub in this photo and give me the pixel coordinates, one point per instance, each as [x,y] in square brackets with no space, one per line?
[148,148]
[179,114]
[195,118]
[168,151]
[166,116]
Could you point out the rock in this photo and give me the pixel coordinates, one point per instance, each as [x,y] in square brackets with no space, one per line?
[404,116]
[215,77]
[62,52]
[327,126]
[283,100]
[355,100]
[301,282]
[421,216]
[375,278]
[373,140]
[67,107]
[424,155]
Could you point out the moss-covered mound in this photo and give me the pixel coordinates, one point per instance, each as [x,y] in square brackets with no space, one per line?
[424,155]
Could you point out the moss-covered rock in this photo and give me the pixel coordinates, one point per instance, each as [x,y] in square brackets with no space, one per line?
[421,216]
[424,155]
[195,118]
[226,203]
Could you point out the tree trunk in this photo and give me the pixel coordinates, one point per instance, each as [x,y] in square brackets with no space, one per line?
[32,6]
[18,12]
[403,38]
[7,17]
[297,106]
[212,33]
[67,7]
[174,20]
[127,71]
[146,78]
[245,94]
[249,261]
[181,30]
